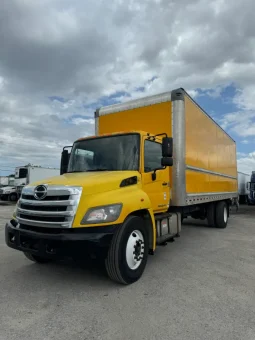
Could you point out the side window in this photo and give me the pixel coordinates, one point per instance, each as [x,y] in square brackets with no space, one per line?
[152,155]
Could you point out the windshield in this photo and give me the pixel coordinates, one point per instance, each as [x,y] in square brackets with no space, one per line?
[111,153]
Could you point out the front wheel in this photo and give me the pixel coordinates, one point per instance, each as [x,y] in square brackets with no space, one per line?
[128,252]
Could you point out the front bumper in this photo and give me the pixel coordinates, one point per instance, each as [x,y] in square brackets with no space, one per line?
[57,242]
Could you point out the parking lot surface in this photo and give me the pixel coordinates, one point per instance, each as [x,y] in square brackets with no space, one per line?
[202,286]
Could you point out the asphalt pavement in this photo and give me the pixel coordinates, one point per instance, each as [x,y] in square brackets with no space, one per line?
[202,286]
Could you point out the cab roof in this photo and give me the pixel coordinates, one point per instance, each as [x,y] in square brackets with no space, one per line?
[142,133]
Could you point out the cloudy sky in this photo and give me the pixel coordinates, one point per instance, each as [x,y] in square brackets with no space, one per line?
[60,59]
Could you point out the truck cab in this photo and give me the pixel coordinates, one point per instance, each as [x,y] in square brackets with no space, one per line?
[251,188]
[109,181]
[136,155]
[8,193]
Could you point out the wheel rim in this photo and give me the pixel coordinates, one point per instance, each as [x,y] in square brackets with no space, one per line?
[135,249]
[225,215]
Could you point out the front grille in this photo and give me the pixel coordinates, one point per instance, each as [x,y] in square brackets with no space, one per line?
[56,210]
[43,218]
[42,208]
[47,198]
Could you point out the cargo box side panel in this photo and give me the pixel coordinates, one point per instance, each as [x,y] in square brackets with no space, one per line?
[210,155]
[155,119]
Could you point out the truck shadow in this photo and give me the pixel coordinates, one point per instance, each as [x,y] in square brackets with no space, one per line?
[65,273]
[193,223]
[7,203]
[196,223]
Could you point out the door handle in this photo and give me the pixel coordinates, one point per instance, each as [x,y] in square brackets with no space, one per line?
[164,183]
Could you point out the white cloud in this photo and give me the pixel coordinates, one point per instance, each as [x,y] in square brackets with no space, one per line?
[84,50]
[245,98]
[246,163]
[241,122]
[78,121]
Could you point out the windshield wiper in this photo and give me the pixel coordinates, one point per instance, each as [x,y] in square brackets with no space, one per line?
[89,170]
[70,172]
[97,169]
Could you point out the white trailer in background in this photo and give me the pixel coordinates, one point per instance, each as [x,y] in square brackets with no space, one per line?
[31,173]
[11,181]
[3,181]
[242,187]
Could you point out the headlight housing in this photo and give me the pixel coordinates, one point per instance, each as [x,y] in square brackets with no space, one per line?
[102,214]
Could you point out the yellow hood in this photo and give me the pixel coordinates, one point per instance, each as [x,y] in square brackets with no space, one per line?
[92,182]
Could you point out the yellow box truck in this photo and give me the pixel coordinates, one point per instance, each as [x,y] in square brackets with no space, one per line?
[123,192]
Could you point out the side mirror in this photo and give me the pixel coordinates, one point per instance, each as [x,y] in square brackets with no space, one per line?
[248,185]
[167,147]
[64,162]
[167,161]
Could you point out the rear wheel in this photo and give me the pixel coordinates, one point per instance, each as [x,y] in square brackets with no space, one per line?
[210,211]
[128,252]
[36,258]
[221,214]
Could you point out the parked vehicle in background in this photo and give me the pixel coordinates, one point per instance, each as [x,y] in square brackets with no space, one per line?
[31,173]
[11,180]
[125,191]
[7,188]
[243,190]
[4,181]
[8,193]
[251,189]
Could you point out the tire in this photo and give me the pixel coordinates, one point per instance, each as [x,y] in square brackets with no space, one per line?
[210,211]
[12,197]
[36,258]
[221,215]
[120,264]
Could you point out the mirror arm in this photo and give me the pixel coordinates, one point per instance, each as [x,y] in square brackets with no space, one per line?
[153,175]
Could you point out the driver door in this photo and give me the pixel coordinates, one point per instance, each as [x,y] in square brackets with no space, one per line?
[158,190]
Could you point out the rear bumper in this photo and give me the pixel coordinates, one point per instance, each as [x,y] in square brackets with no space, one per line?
[57,242]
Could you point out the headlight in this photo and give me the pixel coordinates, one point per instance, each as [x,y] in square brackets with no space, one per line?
[104,214]
[7,192]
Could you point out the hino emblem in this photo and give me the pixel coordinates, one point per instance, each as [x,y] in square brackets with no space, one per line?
[40,192]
